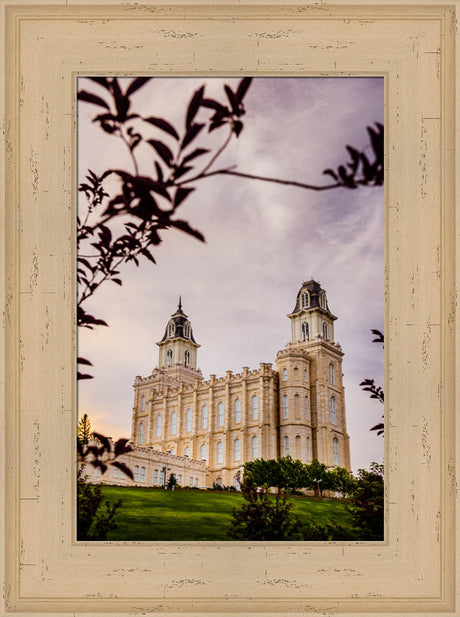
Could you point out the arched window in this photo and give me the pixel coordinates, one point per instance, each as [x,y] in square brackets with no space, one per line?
[142,474]
[255,407]
[255,447]
[305,299]
[173,423]
[187,452]
[155,476]
[322,300]
[169,357]
[204,417]
[285,406]
[142,403]
[171,329]
[220,414]
[187,331]
[220,452]
[140,437]
[158,427]
[297,446]
[297,406]
[188,420]
[305,375]
[203,452]
[308,449]
[333,411]
[325,331]
[187,358]
[237,410]
[284,374]
[136,473]
[236,450]
[307,410]
[335,451]
[286,446]
[331,373]
[305,331]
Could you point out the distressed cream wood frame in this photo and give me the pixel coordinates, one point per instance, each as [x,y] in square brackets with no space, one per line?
[44,48]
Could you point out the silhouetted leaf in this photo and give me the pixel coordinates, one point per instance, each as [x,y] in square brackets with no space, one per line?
[181,194]
[194,154]
[159,172]
[163,125]
[212,104]
[232,99]
[106,445]
[330,172]
[191,133]
[162,150]
[120,446]
[237,127]
[243,88]
[84,361]
[99,465]
[185,227]
[88,97]
[180,171]
[194,105]
[102,81]
[136,84]
[124,468]
[83,376]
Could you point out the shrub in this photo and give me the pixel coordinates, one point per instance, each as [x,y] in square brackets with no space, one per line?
[93,520]
[263,517]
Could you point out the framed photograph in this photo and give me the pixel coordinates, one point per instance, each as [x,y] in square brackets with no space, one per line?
[49,51]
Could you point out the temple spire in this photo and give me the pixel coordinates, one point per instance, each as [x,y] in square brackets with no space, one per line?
[179,308]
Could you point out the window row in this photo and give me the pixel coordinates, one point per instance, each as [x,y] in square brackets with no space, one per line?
[172,330]
[296,375]
[203,418]
[308,452]
[219,454]
[169,357]
[158,478]
[285,406]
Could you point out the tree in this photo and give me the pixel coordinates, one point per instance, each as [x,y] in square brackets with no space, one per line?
[318,477]
[172,482]
[127,210]
[84,432]
[342,481]
[366,503]
[94,521]
[293,473]
[376,392]
[263,517]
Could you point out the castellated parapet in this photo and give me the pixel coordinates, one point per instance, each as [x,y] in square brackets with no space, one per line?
[223,422]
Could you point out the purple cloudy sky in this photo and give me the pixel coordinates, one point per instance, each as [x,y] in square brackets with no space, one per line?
[262,241]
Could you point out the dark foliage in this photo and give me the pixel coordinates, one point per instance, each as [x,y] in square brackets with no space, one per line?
[263,517]
[94,518]
[366,503]
[376,392]
[102,452]
[290,475]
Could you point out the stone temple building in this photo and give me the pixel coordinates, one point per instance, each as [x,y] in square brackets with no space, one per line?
[296,409]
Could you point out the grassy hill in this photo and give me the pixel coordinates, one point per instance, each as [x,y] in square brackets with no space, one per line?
[155,514]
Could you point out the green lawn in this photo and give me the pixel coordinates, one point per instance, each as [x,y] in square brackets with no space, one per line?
[152,514]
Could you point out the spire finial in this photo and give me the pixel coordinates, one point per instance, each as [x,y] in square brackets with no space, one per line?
[179,308]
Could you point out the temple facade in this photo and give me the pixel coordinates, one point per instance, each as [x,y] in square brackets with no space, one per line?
[296,407]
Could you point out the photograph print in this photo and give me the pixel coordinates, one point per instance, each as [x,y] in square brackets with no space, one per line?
[230,309]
